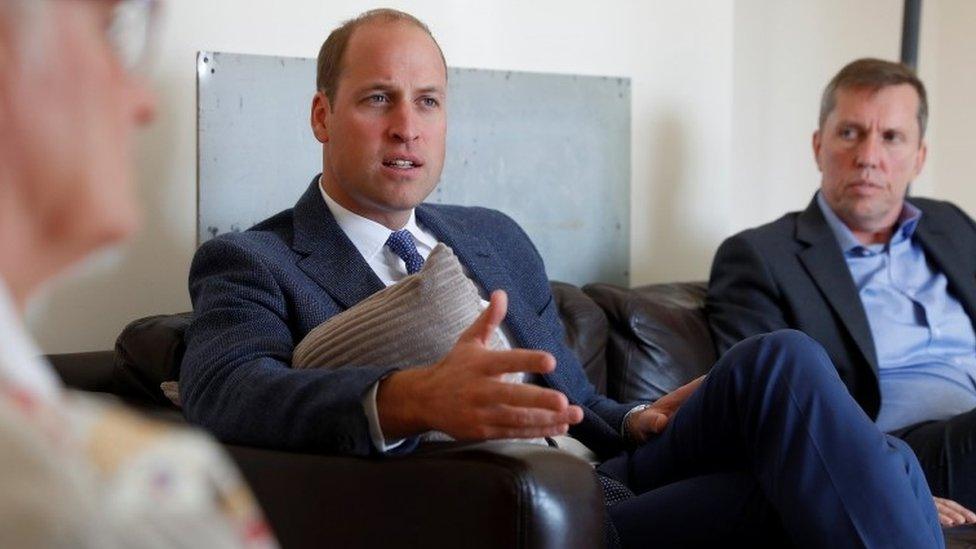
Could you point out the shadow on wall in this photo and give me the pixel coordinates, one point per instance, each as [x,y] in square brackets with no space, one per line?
[675,244]
[87,311]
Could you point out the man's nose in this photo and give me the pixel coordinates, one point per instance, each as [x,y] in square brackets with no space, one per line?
[869,152]
[404,123]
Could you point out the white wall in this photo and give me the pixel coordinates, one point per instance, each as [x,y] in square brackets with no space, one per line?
[785,52]
[951,150]
[724,99]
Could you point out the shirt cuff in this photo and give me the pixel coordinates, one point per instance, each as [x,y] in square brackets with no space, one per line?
[373,418]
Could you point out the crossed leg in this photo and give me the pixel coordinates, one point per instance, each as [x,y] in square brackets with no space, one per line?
[772,444]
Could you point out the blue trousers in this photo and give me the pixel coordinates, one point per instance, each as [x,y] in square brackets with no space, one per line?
[772,449]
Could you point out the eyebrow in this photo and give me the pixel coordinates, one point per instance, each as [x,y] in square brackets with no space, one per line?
[855,124]
[432,89]
[387,87]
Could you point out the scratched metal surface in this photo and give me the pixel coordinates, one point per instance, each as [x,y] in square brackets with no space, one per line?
[552,151]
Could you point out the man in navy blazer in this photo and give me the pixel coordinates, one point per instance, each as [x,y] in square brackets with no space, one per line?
[886,284]
[770,444]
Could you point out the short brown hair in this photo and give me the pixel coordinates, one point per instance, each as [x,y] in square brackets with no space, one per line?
[334,47]
[874,74]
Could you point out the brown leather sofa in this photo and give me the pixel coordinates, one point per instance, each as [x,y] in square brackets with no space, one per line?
[635,344]
[499,494]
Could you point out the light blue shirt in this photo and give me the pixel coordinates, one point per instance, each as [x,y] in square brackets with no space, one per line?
[923,337]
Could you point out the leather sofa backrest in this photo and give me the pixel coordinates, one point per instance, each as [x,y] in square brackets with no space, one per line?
[586,330]
[634,344]
[658,340]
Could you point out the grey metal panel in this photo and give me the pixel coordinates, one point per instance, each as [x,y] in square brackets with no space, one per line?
[551,151]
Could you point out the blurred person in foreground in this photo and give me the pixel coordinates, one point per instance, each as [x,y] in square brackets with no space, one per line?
[76,471]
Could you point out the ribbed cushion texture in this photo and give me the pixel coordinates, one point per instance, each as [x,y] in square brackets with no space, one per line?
[414,322]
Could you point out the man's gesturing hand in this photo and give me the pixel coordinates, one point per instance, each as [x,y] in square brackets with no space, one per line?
[654,418]
[464,396]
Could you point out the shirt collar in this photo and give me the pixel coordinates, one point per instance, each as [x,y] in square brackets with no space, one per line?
[368,236]
[907,222]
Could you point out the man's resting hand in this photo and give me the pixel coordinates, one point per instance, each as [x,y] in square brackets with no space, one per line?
[464,396]
[952,513]
[653,419]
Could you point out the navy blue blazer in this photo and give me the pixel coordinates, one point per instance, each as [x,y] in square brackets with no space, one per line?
[791,273]
[257,293]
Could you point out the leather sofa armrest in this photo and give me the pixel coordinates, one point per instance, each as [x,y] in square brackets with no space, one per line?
[490,494]
[90,371]
[148,352]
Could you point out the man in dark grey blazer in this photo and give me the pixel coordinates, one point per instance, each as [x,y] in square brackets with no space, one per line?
[769,444]
[886,284]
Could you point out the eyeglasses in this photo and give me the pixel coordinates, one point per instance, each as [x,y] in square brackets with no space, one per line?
[130,31]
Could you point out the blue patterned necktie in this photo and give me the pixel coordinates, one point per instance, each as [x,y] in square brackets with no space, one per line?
[401,242]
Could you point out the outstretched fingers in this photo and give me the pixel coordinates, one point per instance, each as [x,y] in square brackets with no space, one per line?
[523,395]
[516,410]
[504,421]
[484,406]
[496,363]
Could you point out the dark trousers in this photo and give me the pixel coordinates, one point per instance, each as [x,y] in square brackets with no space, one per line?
[772,449]
[947,452]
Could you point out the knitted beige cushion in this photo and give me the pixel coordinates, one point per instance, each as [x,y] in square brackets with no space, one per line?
[414,322]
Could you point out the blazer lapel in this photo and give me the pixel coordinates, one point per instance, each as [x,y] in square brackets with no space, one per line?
[957,265]
[825,263]
[331,259]
[479,256]
[473,251]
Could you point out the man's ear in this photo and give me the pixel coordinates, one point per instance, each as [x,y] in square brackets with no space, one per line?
[320,117]
[816,148]
[920,156]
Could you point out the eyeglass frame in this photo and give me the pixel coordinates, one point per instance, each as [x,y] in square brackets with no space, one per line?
[131,32]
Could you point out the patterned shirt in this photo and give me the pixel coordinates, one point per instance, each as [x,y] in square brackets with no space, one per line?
[78,471]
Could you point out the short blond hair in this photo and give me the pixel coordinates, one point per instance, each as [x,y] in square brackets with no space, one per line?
[329,68]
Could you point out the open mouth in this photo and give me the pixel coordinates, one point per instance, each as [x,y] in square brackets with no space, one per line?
[402,163]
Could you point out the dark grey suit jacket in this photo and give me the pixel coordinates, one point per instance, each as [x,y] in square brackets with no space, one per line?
[256,294]
[791,273]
